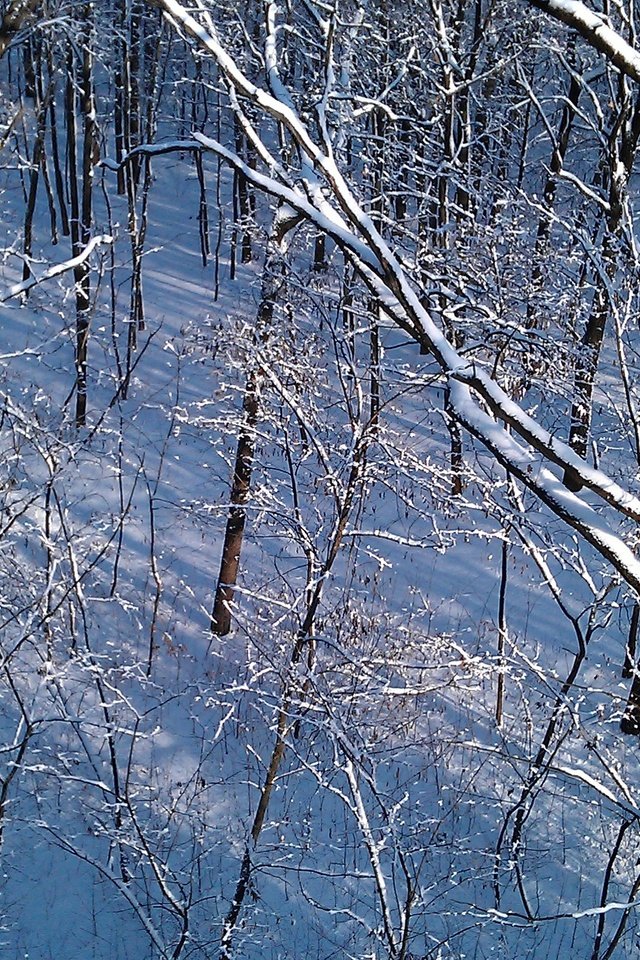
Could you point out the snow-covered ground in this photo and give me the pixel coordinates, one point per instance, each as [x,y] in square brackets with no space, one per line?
[135,744]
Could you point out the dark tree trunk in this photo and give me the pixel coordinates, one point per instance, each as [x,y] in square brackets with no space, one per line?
[240,489]
[81,196]
[623,141]
[628,668]
[245,449]
[544,223]
[630,722]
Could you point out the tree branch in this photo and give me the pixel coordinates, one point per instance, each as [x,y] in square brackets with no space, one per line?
[595,30]
[56,270]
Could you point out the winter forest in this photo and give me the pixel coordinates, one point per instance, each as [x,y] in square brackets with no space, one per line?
[319,479]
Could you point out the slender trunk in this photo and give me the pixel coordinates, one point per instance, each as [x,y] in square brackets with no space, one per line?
[502,630]
[558,155]
[348,315]
[55,152]
[400,198]
[137,202]
[219,212]
[203,212]
[244,202]
[34,177]
[543,756]
[442,240]
[378,129]
[375,352]
[245,449]
[240,489]
[584,381]
[43,97]
[121,99]
[293,689]
[81,197]
[628,669]
[604,895]
[233,241]
[623,141]
[133,119]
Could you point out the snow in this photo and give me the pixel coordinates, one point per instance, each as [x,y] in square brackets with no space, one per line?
[393,809]
[595,29]
[24,285]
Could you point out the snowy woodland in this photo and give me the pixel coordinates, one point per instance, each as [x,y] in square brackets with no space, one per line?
[319,479]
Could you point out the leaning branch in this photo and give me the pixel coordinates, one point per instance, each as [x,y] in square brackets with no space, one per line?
[323,196]
[425,333]
[149,150]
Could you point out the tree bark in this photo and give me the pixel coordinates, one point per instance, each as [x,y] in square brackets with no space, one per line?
[245,449]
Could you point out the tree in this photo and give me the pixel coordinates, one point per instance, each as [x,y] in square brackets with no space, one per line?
[352,229]
[405,722]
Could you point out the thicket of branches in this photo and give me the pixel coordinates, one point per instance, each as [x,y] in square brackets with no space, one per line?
[319,444]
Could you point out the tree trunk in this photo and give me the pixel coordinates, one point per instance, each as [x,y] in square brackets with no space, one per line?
[81,197]
[623,140]
[630,722]
[245,449]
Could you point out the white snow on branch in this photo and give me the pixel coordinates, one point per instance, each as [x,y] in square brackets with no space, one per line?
[55,271]
[597,32]
[322,195]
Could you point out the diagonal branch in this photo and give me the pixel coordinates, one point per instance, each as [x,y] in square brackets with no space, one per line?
[323,196]
[56,270]
[594,28]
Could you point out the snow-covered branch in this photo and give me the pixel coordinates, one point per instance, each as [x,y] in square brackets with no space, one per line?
[325,198]
[149,150]
[55,271]
[595,29]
